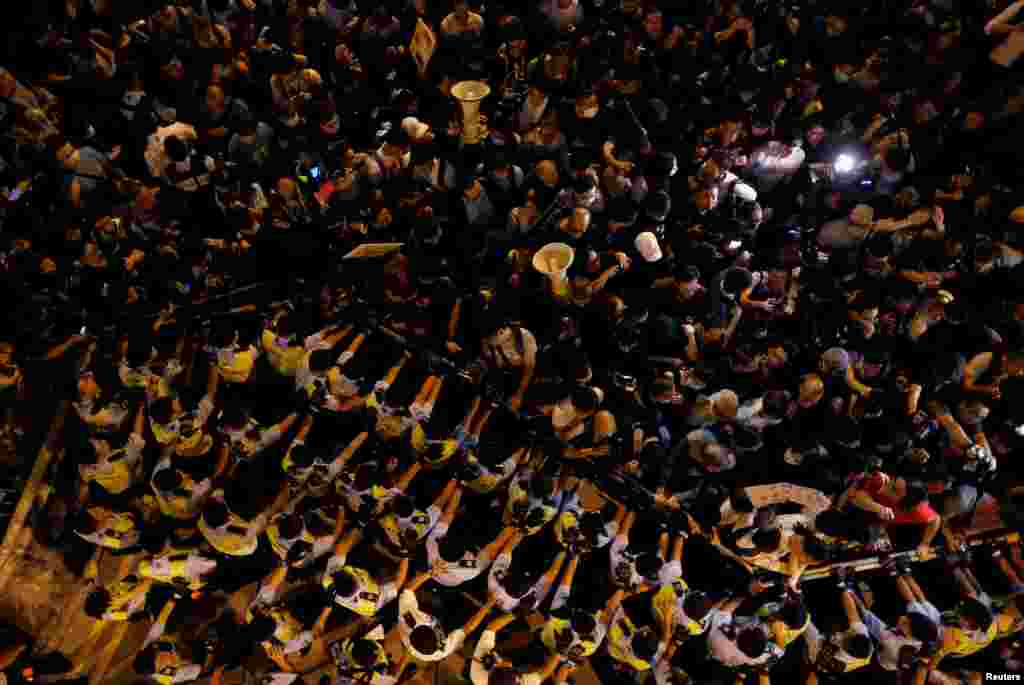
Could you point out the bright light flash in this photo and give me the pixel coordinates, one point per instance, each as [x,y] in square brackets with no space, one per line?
[844,164]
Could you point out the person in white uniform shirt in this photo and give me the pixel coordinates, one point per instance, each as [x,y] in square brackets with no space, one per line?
[423,635]
[453,555]
[740,642]
[489,668]
[517,581]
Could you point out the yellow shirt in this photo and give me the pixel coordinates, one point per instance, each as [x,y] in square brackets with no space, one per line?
[285,360]
[235,366]
[123,605]
[966,643]
[668,600]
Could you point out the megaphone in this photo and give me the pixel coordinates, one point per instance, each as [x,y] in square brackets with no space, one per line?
[553,260]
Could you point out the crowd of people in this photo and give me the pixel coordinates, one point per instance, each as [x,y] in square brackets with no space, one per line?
[297,314]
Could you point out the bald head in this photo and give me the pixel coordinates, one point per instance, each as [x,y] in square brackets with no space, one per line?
[547,172]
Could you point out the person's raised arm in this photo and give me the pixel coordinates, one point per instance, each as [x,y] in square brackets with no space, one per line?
[159,625]
[418,581]
[8,656]
[307,424]
[495,547]
[1000,24]
[476,619]
[850,608]
[957,435]
[402,574]
[451,505]
[549,668]
[347,453]
[498,624]
[529,366]
[351,350]
[59,350]
[450,489]
[407,477]
[346,544]
[452,346]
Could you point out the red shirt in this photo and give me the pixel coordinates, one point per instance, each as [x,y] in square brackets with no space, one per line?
[921,514]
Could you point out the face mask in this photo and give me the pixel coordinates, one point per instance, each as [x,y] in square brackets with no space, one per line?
[841,77]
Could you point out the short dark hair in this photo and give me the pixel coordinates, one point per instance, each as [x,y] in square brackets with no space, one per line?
[320,360]
[766,539]
[216,514]
[922,628]
[649,564]
[344,584]
[793,614]
[584,398]
[96,603]
[916,494]
[364,652]
[290,526]
[167,479]
[424,640]
[302,454]
[161,411]
[976,612]
[176,149]
[858,646]
[752,642]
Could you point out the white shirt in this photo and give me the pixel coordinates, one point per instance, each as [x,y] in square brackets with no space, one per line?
[453,573]
[408,605]
[481,676]
[724,649]
[505,601]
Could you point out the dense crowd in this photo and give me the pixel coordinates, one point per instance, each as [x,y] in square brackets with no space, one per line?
[311,344]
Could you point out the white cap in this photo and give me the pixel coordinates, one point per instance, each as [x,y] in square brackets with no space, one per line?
[745,192]
[647,245]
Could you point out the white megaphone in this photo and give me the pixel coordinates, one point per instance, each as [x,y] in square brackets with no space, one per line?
[553,260]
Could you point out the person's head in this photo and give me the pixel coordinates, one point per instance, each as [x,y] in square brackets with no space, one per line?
[858,646]
[176,149]
[649,565]
[424,640]
[290,526]
[162,412]
[644,644]
[585,399]
[921,628]
[215,98]
[767,539]
[345,585]
[974,615]
[97,603]
[216,514]
[167,480]
[752,642]
[917,493]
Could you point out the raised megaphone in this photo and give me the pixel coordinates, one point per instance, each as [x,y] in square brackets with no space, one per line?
[553,260]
